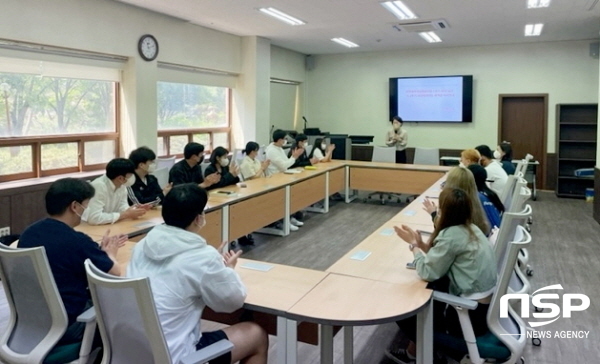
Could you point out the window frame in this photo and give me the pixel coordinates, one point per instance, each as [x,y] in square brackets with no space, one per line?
[166,134]
[36,142]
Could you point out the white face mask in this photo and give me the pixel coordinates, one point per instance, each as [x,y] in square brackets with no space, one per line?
[497,155]
[130,181]
[323,146]
[203,224]
[224,162]
[151,168]
[82,212]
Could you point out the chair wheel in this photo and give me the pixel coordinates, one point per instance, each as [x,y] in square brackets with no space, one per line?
[528,228]
[537,309]
[529,272]
[536,341]
[522,360]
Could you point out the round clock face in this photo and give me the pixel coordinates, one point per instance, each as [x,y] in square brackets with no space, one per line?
[148,47]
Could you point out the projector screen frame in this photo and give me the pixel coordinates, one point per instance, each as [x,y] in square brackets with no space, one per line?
[467,99]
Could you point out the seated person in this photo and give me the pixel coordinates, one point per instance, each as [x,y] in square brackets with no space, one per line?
[504,154]
[468,157]
[489,199]
[275,153]
[251,167]
[146,188]
[219,164]
[109,204]
[459,177]
[497,177]
[458,252]
[302,160]
[187,274]
[321,151]
[67,249]
[188,170]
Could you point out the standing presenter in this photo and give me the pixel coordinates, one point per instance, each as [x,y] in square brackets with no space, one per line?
[397,137]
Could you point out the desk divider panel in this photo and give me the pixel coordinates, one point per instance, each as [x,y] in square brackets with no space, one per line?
[390,180]
[212,231]
[255,213]
[306,193]
[336,180]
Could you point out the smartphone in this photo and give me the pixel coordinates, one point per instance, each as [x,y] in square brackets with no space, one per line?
[411,265]
[225,192]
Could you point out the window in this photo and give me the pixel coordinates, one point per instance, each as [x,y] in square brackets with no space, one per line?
[54,125]
[189,112]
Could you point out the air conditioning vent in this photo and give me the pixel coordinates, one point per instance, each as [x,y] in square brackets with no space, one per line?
[422,26]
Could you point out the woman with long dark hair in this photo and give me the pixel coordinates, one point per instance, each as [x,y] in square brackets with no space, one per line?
[490,201]
[458,251]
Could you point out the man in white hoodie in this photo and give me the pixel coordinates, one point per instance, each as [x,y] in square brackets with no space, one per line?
[186,275]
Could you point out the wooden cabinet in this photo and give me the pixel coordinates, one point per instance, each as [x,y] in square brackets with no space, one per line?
[576,136]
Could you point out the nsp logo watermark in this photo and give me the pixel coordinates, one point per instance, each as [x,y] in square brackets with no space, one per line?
[571,302]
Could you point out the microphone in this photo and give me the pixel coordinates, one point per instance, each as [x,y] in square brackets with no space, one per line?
[305,122]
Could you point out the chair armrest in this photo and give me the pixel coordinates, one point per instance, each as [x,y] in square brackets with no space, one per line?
[208,353]
[455,300]
[88,315]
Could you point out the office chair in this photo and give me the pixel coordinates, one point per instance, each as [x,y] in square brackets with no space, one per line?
[427,156]
[37,315]
[162,175]
[133,323]
[387,155]
[165,163]
[506,338]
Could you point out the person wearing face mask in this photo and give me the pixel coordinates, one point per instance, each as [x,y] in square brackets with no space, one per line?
[302,160]
[109,205]
[219,164]
[146,188]
[275,153]
[321,151]
[187,274]
[504,154]
[188,170]
[397,137]
[496,176]
[67,249]
[251,167]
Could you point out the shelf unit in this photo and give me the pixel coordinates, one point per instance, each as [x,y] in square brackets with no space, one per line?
[576,140]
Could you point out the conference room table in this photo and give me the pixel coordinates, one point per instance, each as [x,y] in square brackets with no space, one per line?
[370,290]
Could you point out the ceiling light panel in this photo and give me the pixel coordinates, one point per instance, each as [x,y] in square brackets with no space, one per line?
[280,15]
[345,42]
[399,9]
[536,4]
[430,37]
[533,30]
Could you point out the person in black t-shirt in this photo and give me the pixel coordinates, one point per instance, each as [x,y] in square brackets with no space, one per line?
[302,160]
[219,163]
[67,249]
[188,170]
[146,188]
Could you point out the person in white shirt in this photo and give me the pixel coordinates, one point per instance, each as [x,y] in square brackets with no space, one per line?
[186,275]
[275,153]
[496,175]
[251,167]
[321,151]
[109,204]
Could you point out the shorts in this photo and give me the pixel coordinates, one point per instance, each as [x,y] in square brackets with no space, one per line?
[211,338]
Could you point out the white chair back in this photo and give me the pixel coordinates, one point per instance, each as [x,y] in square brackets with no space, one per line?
[132,323]
[308,149]
[384,154]
[508,228]
[165,163]
[522,194]
[510,330]
[509,188]
[203,167]
[427,156]
[37,315]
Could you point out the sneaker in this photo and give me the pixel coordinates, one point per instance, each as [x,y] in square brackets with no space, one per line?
[400,356]
[295,222]
[294,227]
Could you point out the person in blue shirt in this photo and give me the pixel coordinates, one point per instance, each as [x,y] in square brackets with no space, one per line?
[489,199]
[67,249]
[504,155]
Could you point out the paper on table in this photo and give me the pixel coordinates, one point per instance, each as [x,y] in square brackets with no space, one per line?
[387,232]
[257,266]
[360,255]
[410,213]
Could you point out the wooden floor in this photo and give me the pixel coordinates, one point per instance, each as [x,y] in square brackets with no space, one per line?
[565,250]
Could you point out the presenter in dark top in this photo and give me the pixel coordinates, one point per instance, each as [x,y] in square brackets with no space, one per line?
[397,137]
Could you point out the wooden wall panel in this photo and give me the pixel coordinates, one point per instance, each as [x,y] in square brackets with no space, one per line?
[26,208]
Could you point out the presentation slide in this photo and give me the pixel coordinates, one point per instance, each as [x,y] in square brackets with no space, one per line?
[430,99]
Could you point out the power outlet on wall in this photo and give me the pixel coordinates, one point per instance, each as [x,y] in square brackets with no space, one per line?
[4,231]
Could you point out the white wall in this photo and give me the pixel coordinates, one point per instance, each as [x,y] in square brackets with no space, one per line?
[348,93]
[288,65]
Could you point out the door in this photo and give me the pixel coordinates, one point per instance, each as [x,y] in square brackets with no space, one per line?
[523,122]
